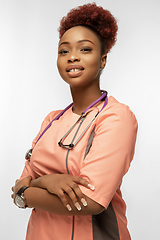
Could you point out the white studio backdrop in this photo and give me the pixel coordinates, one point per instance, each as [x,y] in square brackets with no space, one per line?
[30,88]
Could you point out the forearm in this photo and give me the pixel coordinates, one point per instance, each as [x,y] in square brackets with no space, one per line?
[42,199]
[38,196]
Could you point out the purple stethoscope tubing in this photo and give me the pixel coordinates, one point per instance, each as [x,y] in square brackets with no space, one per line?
[104,95]
[98,100]
[56,118]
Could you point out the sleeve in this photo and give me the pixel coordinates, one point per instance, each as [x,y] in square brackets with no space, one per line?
[27,168]
[110,154]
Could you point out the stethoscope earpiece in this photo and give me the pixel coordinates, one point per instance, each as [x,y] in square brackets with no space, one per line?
[28,154]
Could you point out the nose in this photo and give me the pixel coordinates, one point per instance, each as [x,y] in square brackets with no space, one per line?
[73,58]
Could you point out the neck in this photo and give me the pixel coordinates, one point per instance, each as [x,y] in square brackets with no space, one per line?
[82,98]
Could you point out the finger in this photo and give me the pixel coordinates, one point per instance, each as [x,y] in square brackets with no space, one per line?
[71,191]
[84,182]
[12,195]
[79,194]
[61,195]
[16,181]
[12,189]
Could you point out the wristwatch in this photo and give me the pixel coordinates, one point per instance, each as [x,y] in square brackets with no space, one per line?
[19,199]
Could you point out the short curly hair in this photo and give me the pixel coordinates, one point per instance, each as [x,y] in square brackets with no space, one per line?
[96,18]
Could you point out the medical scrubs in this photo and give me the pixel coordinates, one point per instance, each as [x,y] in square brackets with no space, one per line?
[102,156]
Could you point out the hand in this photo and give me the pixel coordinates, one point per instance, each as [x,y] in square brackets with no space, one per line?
[20,183]
[59,184]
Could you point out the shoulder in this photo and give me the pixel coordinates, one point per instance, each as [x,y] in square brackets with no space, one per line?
[117,110]
[48,119]
[52,115]
[45,123]
[117,114]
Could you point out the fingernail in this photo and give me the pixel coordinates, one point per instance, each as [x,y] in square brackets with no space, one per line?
[84,202]
[69,207]
[78,206]
[91,186]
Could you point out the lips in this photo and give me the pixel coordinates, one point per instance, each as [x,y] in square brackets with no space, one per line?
[74,70]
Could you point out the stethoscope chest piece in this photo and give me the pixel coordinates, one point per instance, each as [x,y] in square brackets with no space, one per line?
[28,154]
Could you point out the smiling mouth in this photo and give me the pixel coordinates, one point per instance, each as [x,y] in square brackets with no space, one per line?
[74,72]
[74,68]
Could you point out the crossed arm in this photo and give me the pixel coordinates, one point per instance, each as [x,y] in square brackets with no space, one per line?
[59,194]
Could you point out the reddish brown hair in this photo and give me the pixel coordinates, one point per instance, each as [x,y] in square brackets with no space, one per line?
[96,18]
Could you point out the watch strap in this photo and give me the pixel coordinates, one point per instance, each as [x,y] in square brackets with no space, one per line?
[21,190]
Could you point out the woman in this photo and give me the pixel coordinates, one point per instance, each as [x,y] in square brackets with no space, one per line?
[73,173]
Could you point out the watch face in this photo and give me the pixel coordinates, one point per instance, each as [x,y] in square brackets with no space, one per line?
[19,201]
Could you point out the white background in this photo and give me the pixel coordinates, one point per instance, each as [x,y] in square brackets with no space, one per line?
[30,88]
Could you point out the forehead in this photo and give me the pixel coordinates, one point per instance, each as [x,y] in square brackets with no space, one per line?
[78,33]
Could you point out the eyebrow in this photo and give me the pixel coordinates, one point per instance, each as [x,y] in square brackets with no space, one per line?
[84,40]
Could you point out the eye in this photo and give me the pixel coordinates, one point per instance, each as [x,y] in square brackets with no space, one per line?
[86,49]
[63,52]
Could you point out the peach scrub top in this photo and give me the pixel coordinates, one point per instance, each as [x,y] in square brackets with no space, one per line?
[102,156]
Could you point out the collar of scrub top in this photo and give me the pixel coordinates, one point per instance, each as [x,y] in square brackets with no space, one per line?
[80,119]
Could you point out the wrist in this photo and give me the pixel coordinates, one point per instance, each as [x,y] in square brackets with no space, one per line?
[30,180]
[19,199]
[40,182]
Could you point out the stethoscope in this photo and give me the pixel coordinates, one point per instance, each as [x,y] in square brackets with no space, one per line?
[80,121]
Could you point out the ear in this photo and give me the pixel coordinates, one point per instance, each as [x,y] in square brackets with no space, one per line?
[103,61]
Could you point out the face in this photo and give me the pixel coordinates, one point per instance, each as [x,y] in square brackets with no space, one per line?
[79,57]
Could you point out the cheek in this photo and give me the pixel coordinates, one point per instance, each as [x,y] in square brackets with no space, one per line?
[94,61]
[94,66]
[61,69]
